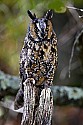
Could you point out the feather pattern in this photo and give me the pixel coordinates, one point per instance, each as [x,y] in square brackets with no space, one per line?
[38,62]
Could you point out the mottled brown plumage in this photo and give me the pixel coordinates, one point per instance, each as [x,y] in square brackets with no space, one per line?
[38,58]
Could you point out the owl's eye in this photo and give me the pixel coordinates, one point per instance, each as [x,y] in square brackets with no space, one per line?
[45,20]
[36,20]
[47,28]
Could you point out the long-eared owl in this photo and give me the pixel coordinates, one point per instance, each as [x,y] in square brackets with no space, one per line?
[38,58]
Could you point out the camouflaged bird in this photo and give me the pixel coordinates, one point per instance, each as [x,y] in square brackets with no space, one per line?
[38,58]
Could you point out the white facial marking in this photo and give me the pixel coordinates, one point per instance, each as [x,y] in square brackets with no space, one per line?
[38,26]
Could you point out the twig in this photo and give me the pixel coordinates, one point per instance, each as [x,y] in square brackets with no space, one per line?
[74,8]
[72,52]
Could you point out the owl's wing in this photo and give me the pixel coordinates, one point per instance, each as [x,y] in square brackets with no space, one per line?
[23,57]
[19,100]
[54,48]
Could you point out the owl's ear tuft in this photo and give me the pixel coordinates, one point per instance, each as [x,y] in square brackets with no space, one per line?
[49,14]
[32,16]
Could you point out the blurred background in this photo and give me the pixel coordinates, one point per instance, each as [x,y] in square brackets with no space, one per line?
[68,25]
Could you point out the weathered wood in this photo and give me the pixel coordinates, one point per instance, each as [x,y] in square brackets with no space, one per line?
[29,103]
[40,115]
[43,115]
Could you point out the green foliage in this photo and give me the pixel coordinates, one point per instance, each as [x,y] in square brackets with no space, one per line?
[78,2]
[57,5]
